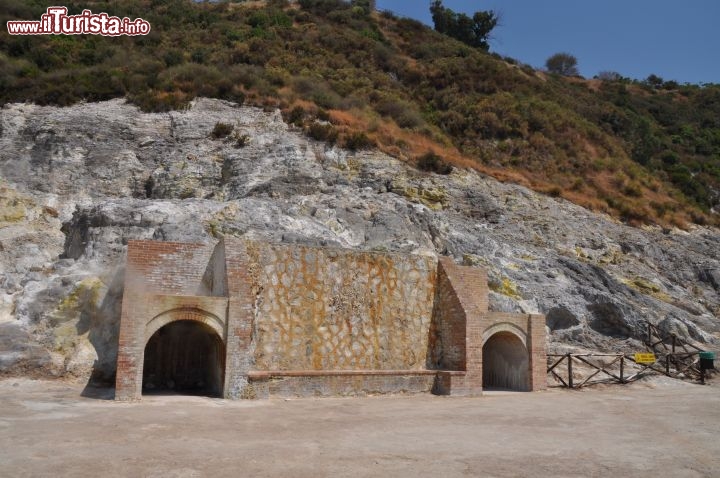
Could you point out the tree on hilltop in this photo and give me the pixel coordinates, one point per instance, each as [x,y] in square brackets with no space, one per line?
[563,64]
[608,75]
[368,5]
[473,31]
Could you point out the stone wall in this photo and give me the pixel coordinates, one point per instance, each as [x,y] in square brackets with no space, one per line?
[333,309]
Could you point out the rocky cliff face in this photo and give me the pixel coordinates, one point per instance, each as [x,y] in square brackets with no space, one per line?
[78,182]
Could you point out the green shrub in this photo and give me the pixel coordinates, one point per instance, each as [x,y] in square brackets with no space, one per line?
[318,91]
[358,141]
[242,140]
[434,163]
[323,7]
[633,190]
[221,130]
[191,78]
[159,101]
[296,116]
[173,57]
[198,56]
[323,115]
[322,132]
[405,114]
[555,191]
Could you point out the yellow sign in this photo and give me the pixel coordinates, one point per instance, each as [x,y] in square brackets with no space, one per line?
[645,358]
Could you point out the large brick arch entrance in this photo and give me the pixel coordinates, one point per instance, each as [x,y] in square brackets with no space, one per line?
[191,314]
[184,296]
[184,353]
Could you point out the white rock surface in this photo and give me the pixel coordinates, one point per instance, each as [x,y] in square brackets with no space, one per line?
[110,173]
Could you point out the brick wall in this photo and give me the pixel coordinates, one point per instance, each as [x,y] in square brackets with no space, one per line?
[161,278]
[538,354]
[448,327]
[462,325]
[462,303]
[167,267]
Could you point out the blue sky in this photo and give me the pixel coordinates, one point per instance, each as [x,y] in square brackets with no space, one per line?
[676,40]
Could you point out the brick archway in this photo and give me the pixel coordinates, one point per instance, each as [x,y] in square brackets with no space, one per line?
[507,327]
[185,313]
[183,347]
[143,319]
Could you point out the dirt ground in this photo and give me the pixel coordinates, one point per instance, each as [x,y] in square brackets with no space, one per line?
[664,428]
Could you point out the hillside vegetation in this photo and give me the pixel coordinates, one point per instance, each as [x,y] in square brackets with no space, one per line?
[647,152]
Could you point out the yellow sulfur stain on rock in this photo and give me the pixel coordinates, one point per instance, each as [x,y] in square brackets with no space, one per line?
[435,198]
[646,287]
[84,297]
[505,287]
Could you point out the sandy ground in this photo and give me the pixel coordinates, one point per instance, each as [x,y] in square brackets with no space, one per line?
[659,429]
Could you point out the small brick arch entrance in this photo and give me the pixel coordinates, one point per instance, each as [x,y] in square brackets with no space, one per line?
[505,361]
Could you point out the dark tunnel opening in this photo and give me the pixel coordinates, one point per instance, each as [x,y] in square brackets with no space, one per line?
[184,357]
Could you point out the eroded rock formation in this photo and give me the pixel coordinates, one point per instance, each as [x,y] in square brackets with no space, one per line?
[79,182]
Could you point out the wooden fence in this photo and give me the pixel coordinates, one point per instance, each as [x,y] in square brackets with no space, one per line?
[675,358]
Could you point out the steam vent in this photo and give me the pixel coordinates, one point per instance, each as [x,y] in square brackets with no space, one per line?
[245,319]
